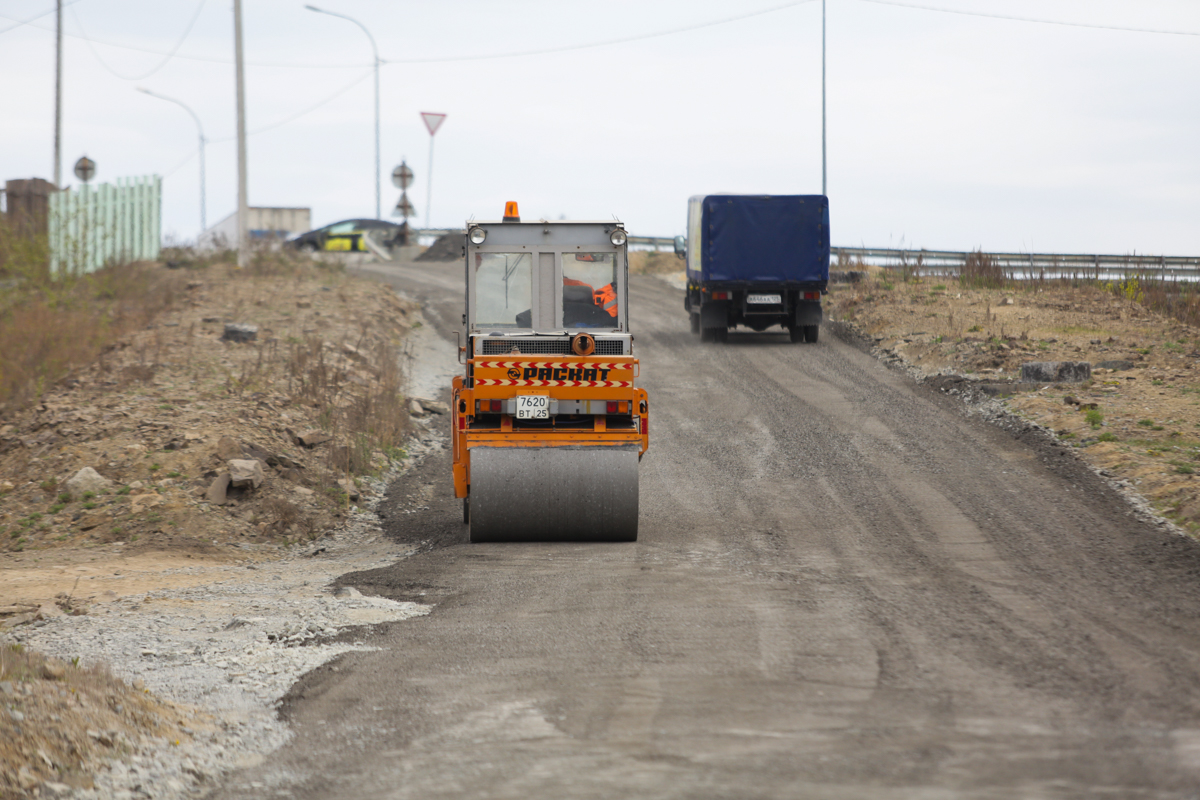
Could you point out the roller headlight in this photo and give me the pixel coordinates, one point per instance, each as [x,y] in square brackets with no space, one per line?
[617,237]
[477,235]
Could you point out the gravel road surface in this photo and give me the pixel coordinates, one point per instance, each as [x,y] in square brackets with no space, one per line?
[845,586]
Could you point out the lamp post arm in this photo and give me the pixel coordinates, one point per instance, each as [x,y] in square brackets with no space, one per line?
[199,127]
[375,50]
[203,141]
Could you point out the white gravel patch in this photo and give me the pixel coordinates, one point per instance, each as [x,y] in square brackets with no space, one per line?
[430,362]
[230,649]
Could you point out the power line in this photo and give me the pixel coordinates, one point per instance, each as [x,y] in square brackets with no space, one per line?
[206,59]
[484,57]
[34,17]
[313,107]
[275,124]
[156,68]
[602,43]
[1032,19]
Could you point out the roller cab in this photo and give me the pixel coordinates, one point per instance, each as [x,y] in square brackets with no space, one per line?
[548,424]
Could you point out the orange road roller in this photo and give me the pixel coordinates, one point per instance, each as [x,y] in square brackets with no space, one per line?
[548,426]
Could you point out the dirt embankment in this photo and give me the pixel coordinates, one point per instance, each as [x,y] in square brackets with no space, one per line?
[313,399]
[1138,418]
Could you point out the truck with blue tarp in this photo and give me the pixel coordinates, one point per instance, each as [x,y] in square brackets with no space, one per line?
[756,261]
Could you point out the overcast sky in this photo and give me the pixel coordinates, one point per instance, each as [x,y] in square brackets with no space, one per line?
[945,130]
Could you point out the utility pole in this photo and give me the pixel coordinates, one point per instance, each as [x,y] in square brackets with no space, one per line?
[824,187]
[58,101]
[243,212]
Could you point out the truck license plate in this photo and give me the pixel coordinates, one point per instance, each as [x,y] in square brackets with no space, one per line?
[764,299]
[533,406]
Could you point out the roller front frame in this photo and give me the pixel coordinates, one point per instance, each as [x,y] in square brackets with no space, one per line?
[487,382]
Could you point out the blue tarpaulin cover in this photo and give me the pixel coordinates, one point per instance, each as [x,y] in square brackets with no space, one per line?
[776,238]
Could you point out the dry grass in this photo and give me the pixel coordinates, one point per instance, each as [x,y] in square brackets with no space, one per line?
[982,271]
[50,325]
[370,418]
[71,717]
[1176,299]
[653,262]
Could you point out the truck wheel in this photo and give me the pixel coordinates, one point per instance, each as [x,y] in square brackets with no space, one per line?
[467,510]
[717,334]
[796,333]
[695,318]
[810,333]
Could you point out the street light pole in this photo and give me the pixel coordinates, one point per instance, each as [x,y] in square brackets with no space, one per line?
[824,189]
[378,206]
[200,128]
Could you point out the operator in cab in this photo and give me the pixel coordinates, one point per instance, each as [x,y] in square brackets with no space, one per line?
[585,306]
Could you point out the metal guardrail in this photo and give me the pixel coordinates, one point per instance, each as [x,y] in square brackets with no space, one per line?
[1015,265]
[1024,265]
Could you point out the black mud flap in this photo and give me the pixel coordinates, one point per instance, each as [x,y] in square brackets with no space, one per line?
[715,314]
[808,312]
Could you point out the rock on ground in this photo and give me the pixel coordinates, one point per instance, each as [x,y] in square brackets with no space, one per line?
[87,480]
[1055,371]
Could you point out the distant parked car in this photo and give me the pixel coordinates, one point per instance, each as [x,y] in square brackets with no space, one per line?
[346,236]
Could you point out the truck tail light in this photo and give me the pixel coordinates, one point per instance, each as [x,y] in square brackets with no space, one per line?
[611,406]
[484,406]
[812,295]
[720,295]
[497,405]
[645,426]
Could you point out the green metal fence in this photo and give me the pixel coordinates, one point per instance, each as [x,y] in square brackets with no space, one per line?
[93,225]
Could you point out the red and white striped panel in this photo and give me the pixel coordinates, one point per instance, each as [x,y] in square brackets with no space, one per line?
[553,364]
[596,384]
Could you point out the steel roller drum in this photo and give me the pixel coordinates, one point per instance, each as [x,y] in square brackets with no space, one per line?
[554,494]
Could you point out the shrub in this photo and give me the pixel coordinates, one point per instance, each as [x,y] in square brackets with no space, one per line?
[1094,417]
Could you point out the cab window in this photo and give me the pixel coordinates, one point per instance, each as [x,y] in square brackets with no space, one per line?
[590,290]
[341,227]
[503,289]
